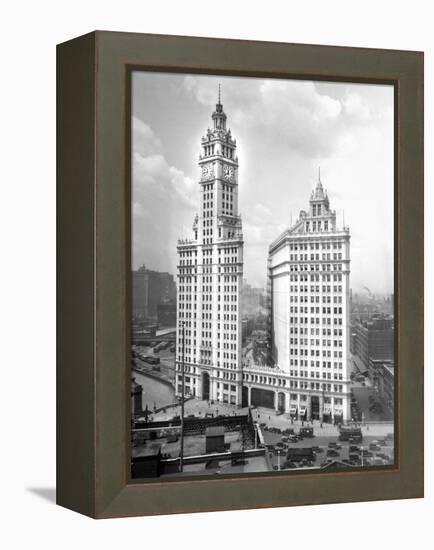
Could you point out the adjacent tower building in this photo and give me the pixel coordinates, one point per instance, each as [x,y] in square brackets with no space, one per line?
[209,276]
[309,271]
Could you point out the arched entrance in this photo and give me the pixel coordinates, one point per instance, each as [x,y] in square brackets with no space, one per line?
[281,402]
[205,386]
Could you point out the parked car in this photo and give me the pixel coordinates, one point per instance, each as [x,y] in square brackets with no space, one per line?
[365,452]
[354,458]
[332,452]
[384,456]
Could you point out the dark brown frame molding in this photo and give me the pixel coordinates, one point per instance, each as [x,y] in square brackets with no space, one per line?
[93,224]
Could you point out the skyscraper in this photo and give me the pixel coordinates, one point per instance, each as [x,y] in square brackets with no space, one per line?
[309,284]
[209,273]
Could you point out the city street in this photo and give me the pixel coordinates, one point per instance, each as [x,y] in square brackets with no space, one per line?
[269,417]
[362,395]
[322,441]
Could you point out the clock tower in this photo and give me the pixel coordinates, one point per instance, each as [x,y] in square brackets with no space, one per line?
[210,270]
[219,176]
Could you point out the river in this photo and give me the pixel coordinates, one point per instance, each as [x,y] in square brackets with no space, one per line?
[154,391]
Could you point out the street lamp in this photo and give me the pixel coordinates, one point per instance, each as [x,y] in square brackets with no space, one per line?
[278,460]
[181,455]
[323,404]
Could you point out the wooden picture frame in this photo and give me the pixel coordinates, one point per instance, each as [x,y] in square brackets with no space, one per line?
[93,393]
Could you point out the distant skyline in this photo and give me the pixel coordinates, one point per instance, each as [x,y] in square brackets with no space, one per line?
[285,131]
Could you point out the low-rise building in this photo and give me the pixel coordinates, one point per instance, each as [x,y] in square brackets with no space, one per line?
[373,339]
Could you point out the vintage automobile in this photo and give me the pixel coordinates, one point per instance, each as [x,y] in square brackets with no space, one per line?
[306,432]
[347,433]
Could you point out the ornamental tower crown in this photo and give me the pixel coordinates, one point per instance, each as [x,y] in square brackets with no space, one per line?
[318,198]
[218,144]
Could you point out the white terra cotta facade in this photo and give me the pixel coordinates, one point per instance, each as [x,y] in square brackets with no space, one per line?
[209,276]
[309,285]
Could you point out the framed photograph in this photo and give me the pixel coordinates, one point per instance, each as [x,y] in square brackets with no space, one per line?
[240,274]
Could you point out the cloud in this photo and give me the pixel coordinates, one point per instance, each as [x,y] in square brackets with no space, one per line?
[144,139]
[284,129]
[163,198]
[290,116]
[355,108]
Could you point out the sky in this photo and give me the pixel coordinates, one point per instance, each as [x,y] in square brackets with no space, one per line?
[285,131]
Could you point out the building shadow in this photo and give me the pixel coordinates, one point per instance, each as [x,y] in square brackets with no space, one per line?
[46,493]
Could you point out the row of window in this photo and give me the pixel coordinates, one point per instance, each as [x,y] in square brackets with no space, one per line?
[315,299]
[317,226]
[316,210]
[315,353]
[316,288]
[315,257]
[325,343]
[227,152]
[316,246]
[315,364]
[326,277]
[209,150]
[208,279]
[325,310]
[324,375]
[316,331]
[316,267]
[183,314]
[315,320]
[188,253]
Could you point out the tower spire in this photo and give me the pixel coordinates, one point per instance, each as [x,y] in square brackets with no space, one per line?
[319,174]
[219,93]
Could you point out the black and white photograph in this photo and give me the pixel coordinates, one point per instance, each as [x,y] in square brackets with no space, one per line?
[262,275]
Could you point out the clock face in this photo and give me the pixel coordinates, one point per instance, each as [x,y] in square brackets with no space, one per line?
[228,173]
[207,171]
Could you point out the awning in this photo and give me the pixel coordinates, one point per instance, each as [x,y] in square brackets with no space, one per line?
[302,411]
[293,411]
